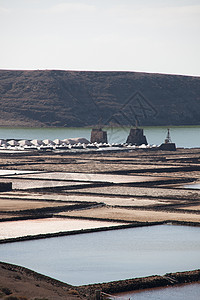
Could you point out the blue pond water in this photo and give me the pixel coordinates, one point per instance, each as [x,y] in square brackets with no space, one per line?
[111,255]
[192,186]
[183,292]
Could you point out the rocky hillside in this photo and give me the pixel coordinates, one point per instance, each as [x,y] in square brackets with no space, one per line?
[73,98]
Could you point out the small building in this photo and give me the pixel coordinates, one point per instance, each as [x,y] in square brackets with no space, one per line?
[136,137]
[168,145]
[98,136]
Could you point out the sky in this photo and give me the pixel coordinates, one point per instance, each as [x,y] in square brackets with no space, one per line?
[156,36]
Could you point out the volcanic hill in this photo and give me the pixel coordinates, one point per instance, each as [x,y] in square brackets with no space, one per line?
[80,98]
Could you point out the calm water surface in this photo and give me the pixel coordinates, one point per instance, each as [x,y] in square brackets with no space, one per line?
[192,186]
[111,255]
[183,136]
[183,292]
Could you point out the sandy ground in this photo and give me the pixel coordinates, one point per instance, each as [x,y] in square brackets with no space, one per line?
[15,205]
[92,177]
[21,228]
[143,191]
[5,216]
[30,200]
[193,207]
[30,183]
[133,215]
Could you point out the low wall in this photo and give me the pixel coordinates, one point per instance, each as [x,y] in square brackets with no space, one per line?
[89,230]
[142,283]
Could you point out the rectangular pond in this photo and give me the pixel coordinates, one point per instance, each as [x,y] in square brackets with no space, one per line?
[111,255]
[21,228]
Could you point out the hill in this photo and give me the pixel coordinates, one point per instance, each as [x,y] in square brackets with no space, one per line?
[77,98]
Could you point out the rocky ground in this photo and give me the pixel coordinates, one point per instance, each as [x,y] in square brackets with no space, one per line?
[136,187]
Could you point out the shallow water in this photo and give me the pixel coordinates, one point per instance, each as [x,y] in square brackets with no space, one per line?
[111,255]
[183,292]
[192,186]
[183,136]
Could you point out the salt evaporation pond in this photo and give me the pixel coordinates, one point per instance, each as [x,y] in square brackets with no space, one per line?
[179,292]
[16,229]
[111,255]
[192,186]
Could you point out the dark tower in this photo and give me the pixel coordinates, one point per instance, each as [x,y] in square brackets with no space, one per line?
[136,137]
[98,136]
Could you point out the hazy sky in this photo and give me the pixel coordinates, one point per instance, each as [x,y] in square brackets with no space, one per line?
[128,35]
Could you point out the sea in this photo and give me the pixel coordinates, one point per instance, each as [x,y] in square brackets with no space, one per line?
[182,136]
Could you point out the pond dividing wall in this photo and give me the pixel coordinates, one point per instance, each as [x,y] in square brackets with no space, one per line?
[109,255]
[178,292]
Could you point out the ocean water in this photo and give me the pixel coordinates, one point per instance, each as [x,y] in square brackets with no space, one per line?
[110,255]
[183,136]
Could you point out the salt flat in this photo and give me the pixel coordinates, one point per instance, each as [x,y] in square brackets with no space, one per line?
[22,228]
[16,205]
[30,184]
[15,172]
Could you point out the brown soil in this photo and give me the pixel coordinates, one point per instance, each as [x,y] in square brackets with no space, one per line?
[25,284]
[133,215]
[14,205]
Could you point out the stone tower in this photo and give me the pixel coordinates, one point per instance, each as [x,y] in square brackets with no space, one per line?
[136,137]
[98,136]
